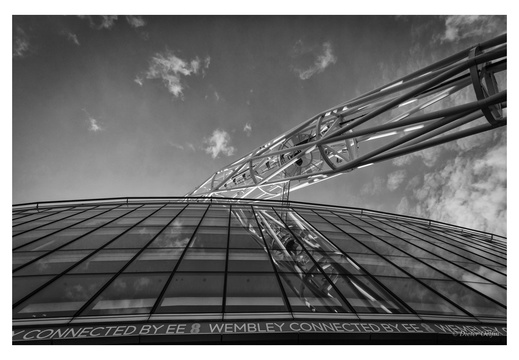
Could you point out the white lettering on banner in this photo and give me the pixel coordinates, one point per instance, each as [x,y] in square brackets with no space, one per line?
[254,327]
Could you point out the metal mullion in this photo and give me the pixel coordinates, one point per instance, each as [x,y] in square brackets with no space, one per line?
[404,271]
[41,213]
[58,230]
[352,309]
[278,277]
[61,246]
[411,310]
[472,242]
[224,300]
[416,229]
[452,261]
[436,245]
[52,222]
[109,282]
[440,271]
[168,281]
[72,266]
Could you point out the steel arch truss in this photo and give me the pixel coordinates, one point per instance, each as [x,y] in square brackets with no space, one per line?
[424,109]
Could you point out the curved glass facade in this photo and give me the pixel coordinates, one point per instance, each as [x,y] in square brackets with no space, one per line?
[226,262]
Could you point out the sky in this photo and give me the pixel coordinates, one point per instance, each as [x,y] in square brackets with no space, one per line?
[106,106]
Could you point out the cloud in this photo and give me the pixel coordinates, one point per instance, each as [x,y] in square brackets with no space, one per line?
[138,80]
[135,21]
[170,69]
[395,179]
[458,27]
[20,42]
[219,143]
[106,21]
[247,129]
[93,124]
[321,62]
[468,191]
[373,187]
[73,37]
[175,145]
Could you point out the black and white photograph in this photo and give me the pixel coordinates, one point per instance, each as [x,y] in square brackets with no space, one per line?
[259,179]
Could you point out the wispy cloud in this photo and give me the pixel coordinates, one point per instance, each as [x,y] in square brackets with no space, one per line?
[218,143]
[468,190]
[72,37]
[20,42]
[395,179]
[373,187]
[135,21]
[247,129]
[138,80]
[171,69]
[175,145]
[94,125]
[105,21]
[322,61]
[458,27]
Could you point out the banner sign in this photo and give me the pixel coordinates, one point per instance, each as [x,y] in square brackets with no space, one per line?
[261,327]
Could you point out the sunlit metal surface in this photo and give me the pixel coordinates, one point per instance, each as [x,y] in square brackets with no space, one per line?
[410,114]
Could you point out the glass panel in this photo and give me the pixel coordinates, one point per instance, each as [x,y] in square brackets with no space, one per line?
[246,239]
[128,294]
[22,286]
[54,241]
[105,261]
[155,260]
[486,272]
[95,239]
[365,295]
[492,291]
[346,243]
[54,263]
[173,236]
[193,292]
[418,297]
[249,260]
[335,263]
[194,211]
[137,237]
[20,258]
[377,265]
[63,297]
[203,260]
[416,268]
[27,237]
[466,298]
[94,223]
[156,221]
[455,271]
[210,237]
[215,221]
[311,293]
[253,293]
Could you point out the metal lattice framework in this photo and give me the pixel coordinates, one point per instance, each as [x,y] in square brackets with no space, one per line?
[410,114]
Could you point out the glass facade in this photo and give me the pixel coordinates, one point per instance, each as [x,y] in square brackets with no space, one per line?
[237,259]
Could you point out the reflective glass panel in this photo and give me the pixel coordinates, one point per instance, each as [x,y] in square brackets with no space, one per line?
[419,297]
[377,265]
[54,263]
[137,237]
[128,294]
[105,261]
[416,268]
[155,260]
[311,293]
[253,293]
[20,258]
[246,239]
[63,297]
[95,239]
[210,237]
[249,260]
[365,295]
[466,298]
[203,260]
[22,286]
[25,238]
[193,292]
[54,241]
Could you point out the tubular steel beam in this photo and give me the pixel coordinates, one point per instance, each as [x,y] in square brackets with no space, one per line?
[420,110]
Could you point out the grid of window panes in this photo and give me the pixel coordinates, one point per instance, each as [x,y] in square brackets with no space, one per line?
[230,260]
